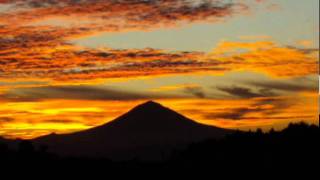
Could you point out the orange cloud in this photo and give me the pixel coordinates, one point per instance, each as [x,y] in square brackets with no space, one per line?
[65,62]
[31,48]
[35,57]
[269,58]
[32,119]
[48,17]
[124,13]
[305,43]
[40,49]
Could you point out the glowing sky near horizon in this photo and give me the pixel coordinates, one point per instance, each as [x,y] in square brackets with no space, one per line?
[69,65]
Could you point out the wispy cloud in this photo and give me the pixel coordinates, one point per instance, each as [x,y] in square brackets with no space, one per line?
[32,48]
[264,106]
[40,69]
[67,62]
[244,92]
[131,13]
[80,92]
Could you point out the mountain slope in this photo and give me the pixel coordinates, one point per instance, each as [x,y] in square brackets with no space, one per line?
[148,131]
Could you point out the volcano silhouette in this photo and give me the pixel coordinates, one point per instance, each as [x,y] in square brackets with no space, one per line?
[148,131]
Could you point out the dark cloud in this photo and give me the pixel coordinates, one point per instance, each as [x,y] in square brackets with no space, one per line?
[133,13]
[304,50]
[6,119]
[277,106]
[272,88]
[60,121]
[234,114]
[195,91]
[166,8]
[301,84]
[244,92]
[76,93]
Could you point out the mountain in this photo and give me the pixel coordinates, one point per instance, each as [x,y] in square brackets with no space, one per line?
[148,131]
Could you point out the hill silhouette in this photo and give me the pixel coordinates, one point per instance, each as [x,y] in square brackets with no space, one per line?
[291,151]
[149,131]
[179,145]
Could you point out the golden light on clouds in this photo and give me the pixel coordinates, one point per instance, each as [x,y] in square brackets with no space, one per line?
[268,57]
[29,120]
[51,83]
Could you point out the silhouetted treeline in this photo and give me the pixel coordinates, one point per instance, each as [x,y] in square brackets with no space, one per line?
[295,147]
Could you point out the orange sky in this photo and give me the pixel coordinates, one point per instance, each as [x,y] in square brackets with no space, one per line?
[218,62]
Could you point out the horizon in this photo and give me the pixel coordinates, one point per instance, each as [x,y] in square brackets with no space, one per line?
[68,66]
[160,107]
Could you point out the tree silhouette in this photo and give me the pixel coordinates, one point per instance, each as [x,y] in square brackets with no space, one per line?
[295,147]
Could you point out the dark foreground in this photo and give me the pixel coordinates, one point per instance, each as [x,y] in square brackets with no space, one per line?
[296,148]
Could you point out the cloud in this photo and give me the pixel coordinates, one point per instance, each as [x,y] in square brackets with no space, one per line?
[263,106]
[298,85]
[113,16]
[244,92]
[32,117]
[196,91]
[131,13]
[6,119]
[69,63]
[270,87]
[305,43]
[268,57]
[37,44]
[235,114]
[76,93]
[60,121]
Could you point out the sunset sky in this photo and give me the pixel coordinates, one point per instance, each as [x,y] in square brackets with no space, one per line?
[68,65]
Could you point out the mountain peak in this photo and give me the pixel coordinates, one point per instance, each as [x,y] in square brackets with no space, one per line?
[150,104]
[150,112]
[136,133]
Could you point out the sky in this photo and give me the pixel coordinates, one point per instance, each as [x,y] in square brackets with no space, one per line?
[70,65]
